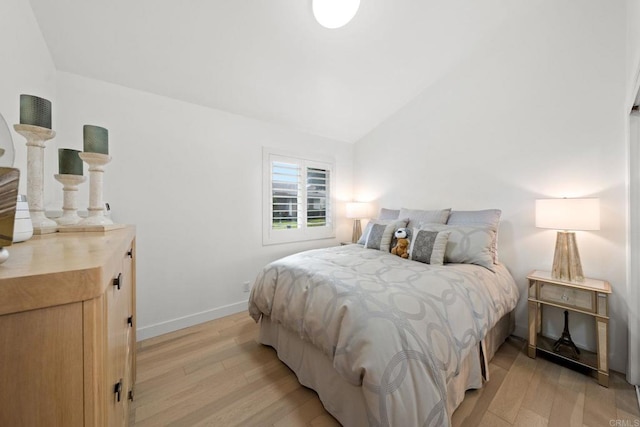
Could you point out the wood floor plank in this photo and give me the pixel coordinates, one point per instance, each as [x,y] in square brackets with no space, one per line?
[626,398]
[149,393]
[492,420]
[568,407]
[263,369]
[627,419]
[529,418]
[511,394]
[471,416]
[169,407]
[599,405]
[230,352]
[302,415]
[237,410]
[541,391]
[508,353]
[251,335]
[217,374]
[158,365]
[281,408]
[324,420]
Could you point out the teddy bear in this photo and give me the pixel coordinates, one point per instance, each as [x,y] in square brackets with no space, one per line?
[402,243]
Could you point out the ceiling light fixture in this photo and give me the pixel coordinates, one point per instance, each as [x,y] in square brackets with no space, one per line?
[335,13]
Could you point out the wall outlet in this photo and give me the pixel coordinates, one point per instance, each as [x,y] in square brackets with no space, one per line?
[246,286]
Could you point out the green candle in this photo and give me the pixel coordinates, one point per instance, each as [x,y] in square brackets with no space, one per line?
[35,111]
[69,163]
[96,139]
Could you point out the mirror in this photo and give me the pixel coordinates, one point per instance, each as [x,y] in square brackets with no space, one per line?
[7,152]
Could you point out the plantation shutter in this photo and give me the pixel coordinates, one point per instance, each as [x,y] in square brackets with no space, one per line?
[317,197]
[286,195]
[297,199]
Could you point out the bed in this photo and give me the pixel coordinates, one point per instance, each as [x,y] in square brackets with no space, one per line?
[385,340]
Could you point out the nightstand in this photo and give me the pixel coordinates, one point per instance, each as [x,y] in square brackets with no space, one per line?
[589,297]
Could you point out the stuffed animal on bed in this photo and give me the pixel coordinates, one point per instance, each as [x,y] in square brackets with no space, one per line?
[402,243]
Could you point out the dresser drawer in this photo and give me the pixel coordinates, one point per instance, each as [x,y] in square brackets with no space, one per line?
[570,297]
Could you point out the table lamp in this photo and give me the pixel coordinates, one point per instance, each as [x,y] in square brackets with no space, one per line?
[566,216]
[357,211]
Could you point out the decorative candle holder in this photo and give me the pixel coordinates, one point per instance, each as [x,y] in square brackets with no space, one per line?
[36,137]
[96,162]
[70,188]
[35,111]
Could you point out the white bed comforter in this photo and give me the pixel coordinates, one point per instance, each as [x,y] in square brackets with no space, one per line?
[398,328]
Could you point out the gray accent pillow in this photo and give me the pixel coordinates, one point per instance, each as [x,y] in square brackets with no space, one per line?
[417,216]
[389,213]
[381,234]
[467,244]
[428,246]
[486,217]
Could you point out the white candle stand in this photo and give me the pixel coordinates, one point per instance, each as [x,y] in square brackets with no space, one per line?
[36,137]
[70,189]
[96,162]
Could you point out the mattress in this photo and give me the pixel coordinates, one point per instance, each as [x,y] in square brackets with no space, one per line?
[399,332]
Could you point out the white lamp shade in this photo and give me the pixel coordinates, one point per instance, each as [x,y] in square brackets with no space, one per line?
[357,210]
[568,214]
[335,13]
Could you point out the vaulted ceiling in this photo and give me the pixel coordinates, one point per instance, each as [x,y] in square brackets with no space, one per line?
[270,59]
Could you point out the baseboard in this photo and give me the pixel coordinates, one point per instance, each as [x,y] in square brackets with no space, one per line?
[190,320]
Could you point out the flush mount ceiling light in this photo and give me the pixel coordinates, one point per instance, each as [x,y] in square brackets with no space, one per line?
[335,13]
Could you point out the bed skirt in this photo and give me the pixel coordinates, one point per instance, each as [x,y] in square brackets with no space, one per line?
[344,400]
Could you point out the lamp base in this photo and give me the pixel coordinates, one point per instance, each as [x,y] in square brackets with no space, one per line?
[357,231]
[566,260]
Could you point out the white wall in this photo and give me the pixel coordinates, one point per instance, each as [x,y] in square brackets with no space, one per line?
[26,68]
[536,111]
[190,178]
[174,164]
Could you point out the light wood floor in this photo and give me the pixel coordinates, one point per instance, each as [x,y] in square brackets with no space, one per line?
[216,374]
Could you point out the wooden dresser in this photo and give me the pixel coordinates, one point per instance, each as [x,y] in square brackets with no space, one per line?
[67,330]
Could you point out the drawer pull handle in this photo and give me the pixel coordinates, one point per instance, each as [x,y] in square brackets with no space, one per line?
[565,297]
[117,281]
[131,395]
[117,389]
[130,321]
[130,253]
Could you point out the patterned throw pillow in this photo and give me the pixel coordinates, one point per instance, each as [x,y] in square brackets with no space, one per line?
[428,246]
[381,234]
[467,244]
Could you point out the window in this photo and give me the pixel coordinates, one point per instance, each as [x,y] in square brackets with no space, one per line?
[297,201]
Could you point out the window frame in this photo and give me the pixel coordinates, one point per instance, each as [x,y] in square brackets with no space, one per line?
[271,236]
